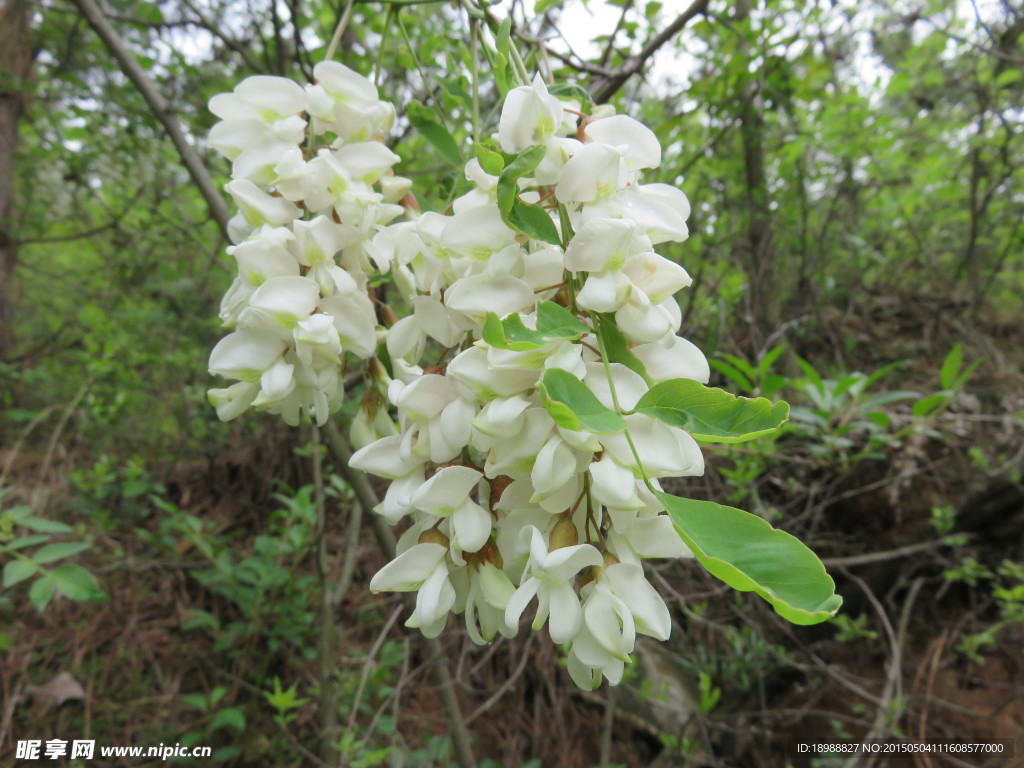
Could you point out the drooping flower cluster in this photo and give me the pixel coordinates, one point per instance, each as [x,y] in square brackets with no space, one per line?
[507,503]
[542,281]
[313,183]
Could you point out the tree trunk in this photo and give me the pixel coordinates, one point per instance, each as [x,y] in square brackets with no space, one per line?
[762,272]
[15,68]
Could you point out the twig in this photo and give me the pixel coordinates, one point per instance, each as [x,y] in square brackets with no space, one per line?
[325,648]
[606,730]
[160,108]
[507,685]
[608,87]
[368,666]
[877,557]
[342,453]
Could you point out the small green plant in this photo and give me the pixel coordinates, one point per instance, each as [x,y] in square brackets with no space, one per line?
[756,380]
[847,422]
[1007,589]
[219,717]
[275,597]
[709,694]
[284,701]
[851,629]
[31,557]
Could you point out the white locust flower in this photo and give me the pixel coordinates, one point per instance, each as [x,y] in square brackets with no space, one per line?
[447,494]
[549,576]
[530,116]
[422,569]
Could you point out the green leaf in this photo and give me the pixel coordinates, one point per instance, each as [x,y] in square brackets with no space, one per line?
[27,541]
[525,162]
[423,121]
[44,526]
[527,218]
[951,367]
[927,405]
[534,222]
[811,374]
[492,162]
[77,583]
[571,91]
[748,554]
[712,415]
[229,717]
[553,322]
[41,591]
[573,406]
[732,374]
[1009,77]
[542,6]
[18,570]
[618,347]
[52,552]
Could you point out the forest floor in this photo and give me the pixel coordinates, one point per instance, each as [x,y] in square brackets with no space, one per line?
[205,610]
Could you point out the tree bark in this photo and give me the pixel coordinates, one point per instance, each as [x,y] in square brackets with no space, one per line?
[765,301]
[15,69]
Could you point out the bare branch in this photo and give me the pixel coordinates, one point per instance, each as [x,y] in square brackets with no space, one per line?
[161,109]
[605,89]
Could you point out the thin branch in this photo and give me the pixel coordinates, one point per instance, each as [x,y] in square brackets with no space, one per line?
[878,557]
[160,108]
[215,29]
[606,55]
[342,453]
[606,89]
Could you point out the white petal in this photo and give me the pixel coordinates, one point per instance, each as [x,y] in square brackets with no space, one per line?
[286,300]
[477,233]
[383,458]
[245,355]
[426,397]
[566,614]
[554,466]
[477,295]
[446,490]
[656,537]
[613,484]
[278,96]
[585,677]
[599,245]
[433,318]
[605,291]
[638,143]
[233,401]
[640,321]
[650,612]
[528,116]
[259,207]
[496,586]
[409,570]
[610,622]
[471,524]
[562,564]
[436,595]
[519,600]
[673,358]
[595,171]
[656,276]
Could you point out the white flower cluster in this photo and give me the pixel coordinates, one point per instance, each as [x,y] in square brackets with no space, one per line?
[506,503]
[313,183]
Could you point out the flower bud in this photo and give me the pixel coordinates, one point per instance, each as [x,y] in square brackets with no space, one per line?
[564,534]
[489,553]
[433,536]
